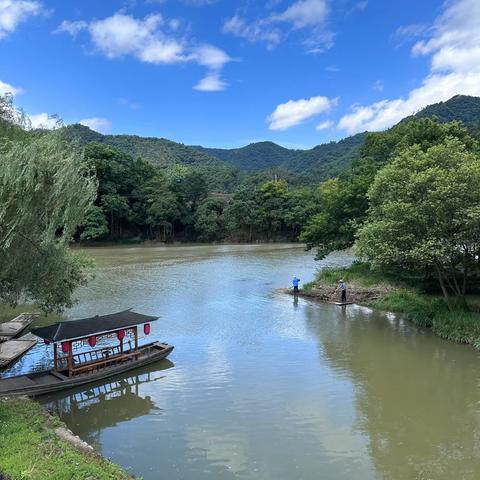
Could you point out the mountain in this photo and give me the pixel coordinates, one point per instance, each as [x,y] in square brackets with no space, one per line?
[324,160]
[461,107]
[160,151]
[164,153]
[225,167]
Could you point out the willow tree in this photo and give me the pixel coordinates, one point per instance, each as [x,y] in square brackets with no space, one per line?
[45,190]
[425,212]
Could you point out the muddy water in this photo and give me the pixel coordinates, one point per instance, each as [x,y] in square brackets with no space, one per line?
[261,387]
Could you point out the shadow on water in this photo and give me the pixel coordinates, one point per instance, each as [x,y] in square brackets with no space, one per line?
[417,397]
[104,404]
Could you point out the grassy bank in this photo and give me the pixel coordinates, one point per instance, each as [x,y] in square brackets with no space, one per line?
[30,448]
[397,293]
[8,313]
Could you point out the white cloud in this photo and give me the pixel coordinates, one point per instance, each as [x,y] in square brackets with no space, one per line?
[73,28]
[44,120]
[294,112]
[13,12]
[96,123]
[453,44]
[305,13]
[210,83]
[378,86]
[256,31]
[324,125]
[123,35]
[7,88]
[308,15]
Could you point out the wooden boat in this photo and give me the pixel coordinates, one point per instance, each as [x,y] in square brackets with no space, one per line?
[72,370]
[13,329]
[12,350]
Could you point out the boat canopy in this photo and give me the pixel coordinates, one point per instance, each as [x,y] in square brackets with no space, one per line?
[86,327]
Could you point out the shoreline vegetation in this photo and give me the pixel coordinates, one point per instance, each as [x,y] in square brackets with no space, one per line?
[458,322]
[36,444]
[33,444]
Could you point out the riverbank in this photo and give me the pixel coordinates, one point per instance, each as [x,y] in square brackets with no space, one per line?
[31,446]
[461,324]
[37,445]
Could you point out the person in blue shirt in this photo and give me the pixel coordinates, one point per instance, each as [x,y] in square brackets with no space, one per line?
[295,283]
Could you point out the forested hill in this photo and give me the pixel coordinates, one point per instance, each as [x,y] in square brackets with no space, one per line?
[461,107]
[333,156]
[163,153]
[160,151]
[316,164]
[224,168]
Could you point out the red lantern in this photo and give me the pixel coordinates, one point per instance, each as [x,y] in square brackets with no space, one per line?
[92,341]
[46,342]
[121,334]
[146,329]
[66,347]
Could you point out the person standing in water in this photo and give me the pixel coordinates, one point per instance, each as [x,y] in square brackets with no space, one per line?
[343,288]
[295,283]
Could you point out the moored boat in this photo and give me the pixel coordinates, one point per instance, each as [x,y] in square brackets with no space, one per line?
[71,369]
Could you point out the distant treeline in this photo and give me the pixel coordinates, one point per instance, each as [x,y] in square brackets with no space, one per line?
[137,199]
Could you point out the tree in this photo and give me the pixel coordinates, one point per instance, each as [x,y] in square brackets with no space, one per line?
[425,212]
[94,226]
[209,220]
[46,190]
[272,199]
[242,216]
[163,208]
[343,202]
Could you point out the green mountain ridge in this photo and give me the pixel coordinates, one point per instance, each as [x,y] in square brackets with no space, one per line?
[224,167]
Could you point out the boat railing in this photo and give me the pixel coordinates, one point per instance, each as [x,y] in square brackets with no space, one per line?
[105,356]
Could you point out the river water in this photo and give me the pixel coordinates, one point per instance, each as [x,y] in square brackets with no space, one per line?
[261,387]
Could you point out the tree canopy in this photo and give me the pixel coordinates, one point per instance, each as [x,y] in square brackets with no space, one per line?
[425,213]
[46,188]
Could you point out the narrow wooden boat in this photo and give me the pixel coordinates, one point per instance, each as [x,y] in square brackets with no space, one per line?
[12,350]
[10,330]
[72,370]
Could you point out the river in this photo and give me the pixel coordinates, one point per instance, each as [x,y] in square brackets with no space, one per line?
[261,387]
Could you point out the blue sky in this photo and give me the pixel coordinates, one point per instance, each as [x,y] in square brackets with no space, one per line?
[225,74]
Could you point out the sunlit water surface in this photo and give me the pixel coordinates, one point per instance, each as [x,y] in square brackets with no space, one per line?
[261,387]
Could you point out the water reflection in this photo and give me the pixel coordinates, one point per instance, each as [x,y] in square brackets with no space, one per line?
[421,412]
[104,404]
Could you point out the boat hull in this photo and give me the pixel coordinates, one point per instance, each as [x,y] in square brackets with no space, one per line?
[41,383]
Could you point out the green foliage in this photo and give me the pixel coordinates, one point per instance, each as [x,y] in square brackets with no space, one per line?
[424,213]
[46,190]
[461,108]
[303,166]
[343,202]
[29,448]
[94,225]
[162,153]
[209,220]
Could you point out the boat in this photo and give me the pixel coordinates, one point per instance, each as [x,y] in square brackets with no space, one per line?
[10,330]
[75,369]
[12,350]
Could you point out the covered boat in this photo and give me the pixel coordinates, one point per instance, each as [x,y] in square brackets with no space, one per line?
[71,369]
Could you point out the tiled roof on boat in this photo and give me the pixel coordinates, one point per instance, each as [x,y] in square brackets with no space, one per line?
[86,327]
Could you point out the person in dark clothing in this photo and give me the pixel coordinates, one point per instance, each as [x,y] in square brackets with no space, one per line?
[343,288]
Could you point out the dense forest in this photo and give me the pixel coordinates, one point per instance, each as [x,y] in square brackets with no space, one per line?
[156,189]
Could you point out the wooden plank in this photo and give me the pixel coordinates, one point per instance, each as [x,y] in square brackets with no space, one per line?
[14,349]
[10,330]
